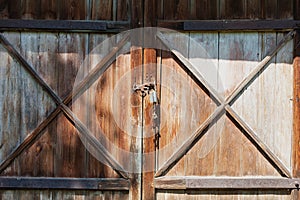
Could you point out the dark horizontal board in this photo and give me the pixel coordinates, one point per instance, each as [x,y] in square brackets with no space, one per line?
[64,183]
[186,182]
[63,25]
[227,25]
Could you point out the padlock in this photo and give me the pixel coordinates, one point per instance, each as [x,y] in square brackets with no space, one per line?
[153,97]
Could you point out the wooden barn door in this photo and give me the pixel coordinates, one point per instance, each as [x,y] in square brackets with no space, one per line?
[226,135]
[210,120]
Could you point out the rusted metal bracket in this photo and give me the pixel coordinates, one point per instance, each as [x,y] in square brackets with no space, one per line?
[144,88]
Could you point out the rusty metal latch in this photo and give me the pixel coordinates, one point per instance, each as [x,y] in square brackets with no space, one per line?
[146,88]
[149,88]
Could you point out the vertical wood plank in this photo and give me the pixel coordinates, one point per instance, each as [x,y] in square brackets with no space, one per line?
[11,122]
[296,9]
[150,75]
[205,9]
[122,10]
[49,9]
[296,107]
[70,151]
[102,106]
[283,105]
[39,50]
[136,62]
[285,9]
[102,10]
[150,13]
[14,9]
[136,13]
[269,9]
[253,9]
[31,9]
[231,9]
[160,10]
[72,10]
[176,10]
[3,9]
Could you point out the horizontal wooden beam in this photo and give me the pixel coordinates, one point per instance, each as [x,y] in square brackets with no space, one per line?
[230,25]
[64,183]
[194,182]
[64,25]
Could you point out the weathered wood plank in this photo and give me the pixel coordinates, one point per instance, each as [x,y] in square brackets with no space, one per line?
[29,140]
[192,69]
[14,9]
[204,9]
[136,13]
[269,9]
[230,9]
[203,54]
[63,25]
[253,9]
[282,105]
[136,143]
[181,103]
[35,50]
[16,183]
[150,13]
[28,67]
[122,10]
[296,107]
[194,182]
[231,25]
[151,125]
[51,25]
[102,10]
[178,10]
[259,143]
[285,9]
[90,103]
[72,10]
[258,68]
[190,142]
[11,95]
[49,9]
[96,71]
[31,9]
[91,140]
[296,9]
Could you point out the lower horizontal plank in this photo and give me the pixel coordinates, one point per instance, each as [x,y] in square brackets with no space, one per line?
[64,183]
[192,182]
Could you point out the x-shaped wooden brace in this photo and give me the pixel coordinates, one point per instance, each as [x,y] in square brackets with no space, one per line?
[224,107]
[62,106]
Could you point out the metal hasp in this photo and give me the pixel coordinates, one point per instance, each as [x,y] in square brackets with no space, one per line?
[149,88]
[144,88]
